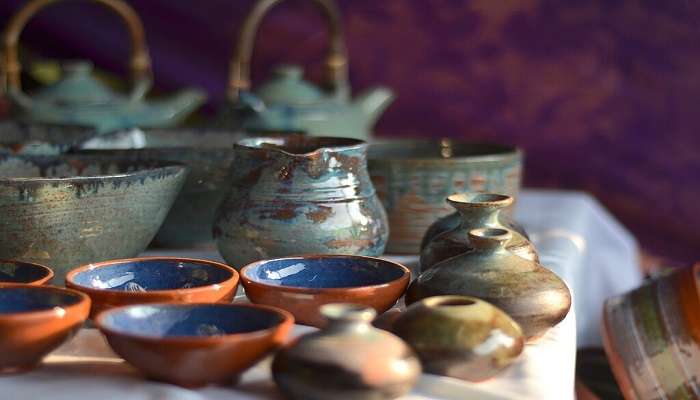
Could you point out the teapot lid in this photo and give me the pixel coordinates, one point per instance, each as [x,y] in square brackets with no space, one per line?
[77,87]
[287,86]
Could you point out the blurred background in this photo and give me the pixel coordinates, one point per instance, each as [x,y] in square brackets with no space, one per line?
[601,95]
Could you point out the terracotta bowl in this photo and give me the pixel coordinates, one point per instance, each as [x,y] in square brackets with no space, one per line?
[651,337]
[301,285]
[34,320]
[23,272]
[154,280]
[192,345]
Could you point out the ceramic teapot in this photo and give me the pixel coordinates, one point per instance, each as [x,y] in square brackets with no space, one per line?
[80,99]
[288,102]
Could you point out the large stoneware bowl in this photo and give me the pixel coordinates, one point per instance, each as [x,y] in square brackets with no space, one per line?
[68,211]
[413,178]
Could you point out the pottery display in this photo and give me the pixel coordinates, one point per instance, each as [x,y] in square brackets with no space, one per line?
[287,101]
[23,138]
[476,210]
[461,337]
[80,99]
[24,272]
[413,178]
[153,280]
[34,320]
[296,194]
[192,345]
[535,297]
[651,336]
[349,359]
[69,211]
[301,285]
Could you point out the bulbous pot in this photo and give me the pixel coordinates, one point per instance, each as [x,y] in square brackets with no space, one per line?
[535,297]
[295,194]
[476,210]
[349,359]
[452,221]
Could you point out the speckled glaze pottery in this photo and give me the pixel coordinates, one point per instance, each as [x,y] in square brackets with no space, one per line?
[301,285]
[192,345]
[535,297]
[24,272]
[413,178]
[68,211]
[461,337]
[652,337]
[21,138]
[34,320]
[349,359]
[154,280]
[299,195]
[476,210]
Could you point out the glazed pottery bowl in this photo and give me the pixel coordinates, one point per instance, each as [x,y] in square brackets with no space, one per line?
[72,210]
[301,285]
[652,334]
[194,344]
[34,320]
[24,272]
[17,137]
[413,178]
[154,280]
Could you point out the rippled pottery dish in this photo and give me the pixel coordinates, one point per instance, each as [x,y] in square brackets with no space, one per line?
[34,320]
[652,337]
[24,272]
[192,345]
[153,280]
[348,360]
[73,210]
[297,194]
[413,178]
[301,285]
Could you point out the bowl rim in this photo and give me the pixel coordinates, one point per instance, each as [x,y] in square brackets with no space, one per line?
[84,301]
[233,280]
[48,272]
[405,276]
[286,323]
[509,151]
[335,144]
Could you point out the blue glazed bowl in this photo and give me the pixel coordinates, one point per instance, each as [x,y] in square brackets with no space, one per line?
[301,285]
[194,344]
[154,280]
[23,272]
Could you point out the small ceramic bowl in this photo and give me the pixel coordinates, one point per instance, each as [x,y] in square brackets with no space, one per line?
[12,271]
[34,320]
[192,345]
[301,285]
[154,280]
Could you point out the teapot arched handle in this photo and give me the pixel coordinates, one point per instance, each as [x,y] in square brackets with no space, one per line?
[140,62]
[336,59]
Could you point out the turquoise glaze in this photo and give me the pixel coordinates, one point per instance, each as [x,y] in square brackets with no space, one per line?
[295,195]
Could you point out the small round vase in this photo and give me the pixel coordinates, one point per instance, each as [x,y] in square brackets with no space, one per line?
[476,210]
[535,297]
[348,360]
[452,221]
[459,336]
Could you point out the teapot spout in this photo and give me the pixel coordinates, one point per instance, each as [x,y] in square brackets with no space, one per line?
[373,102]
[184,103]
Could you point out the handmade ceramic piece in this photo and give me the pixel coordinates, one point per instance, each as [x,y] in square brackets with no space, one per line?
[477,210]
[80,99]
[34,320]
[652,335]
[68,211]
[349,359]
[287,101]
[20,138]
[413,178]
[452,221]
[461,337]
[535,297]
[24,272]
[301,285]
[192,345]
[299,195]
[154,280]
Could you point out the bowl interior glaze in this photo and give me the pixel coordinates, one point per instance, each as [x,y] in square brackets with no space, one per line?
[38,298]
[19,272]
[195,320]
